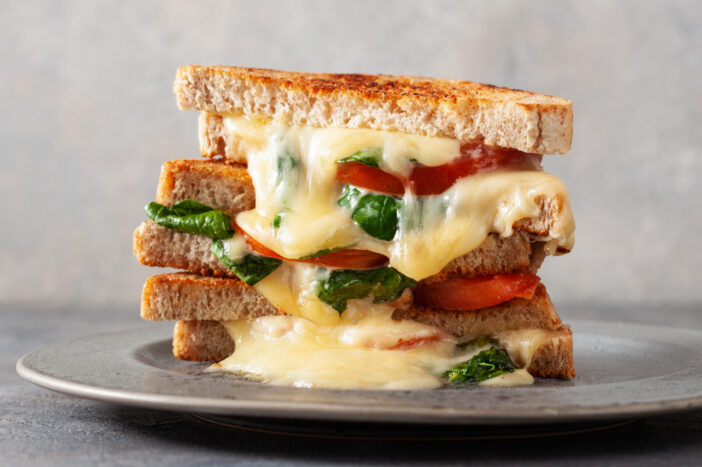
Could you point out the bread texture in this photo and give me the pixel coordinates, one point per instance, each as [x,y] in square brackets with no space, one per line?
[554,359]
[462,110]
[218,184]
[186,297]
[159,246]
[209,341]
[181,296]
[518,313]
[201,341]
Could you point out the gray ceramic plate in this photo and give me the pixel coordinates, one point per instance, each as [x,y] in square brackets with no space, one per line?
[624,371]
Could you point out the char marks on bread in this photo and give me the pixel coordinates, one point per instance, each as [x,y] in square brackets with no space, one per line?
[463,110]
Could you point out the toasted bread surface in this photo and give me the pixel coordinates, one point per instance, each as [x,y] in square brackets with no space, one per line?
[518,313]
[201,341]
[183,296]
[427,106]
[218,184]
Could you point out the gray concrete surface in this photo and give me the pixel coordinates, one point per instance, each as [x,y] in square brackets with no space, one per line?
[88,116]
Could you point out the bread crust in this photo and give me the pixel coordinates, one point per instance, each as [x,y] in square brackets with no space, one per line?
[185,296]
[216,183]
[462,110]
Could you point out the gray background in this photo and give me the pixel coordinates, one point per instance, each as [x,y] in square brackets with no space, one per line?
[89,116]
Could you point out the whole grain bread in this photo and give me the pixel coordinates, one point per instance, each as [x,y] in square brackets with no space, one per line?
[463,110]
[159,246]
[201,341]
[183,296]
[518,313]
[209,341]
[218,184]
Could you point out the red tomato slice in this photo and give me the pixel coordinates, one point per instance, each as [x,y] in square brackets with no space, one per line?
[347,259]
[370,178]
[475,158]
[414,342]
[424,181]
[477,292]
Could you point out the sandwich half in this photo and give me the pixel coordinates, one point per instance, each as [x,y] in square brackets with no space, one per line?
[356,231]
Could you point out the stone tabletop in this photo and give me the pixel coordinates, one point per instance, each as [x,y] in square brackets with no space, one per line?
[40,427]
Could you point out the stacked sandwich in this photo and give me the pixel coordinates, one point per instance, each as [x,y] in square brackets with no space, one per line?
[358,231]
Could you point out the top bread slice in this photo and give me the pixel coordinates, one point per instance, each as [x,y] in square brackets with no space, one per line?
[462,110]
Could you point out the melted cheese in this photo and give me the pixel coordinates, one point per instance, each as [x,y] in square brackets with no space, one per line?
[519,377]
[357,352]
[285,350]
[523,343]
[292,289]
[312,345]
[432,230]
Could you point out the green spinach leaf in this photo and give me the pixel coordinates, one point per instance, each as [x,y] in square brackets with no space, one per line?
[375,214]
[191,217]
[478,342]
[278,219]
[384,284]
[286,164]
[322,252]
[368,157]
[251,269]
[485,365]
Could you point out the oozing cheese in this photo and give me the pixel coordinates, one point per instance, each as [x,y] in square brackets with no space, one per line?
[292,289]
[432,230]
[355,353]
[294,174]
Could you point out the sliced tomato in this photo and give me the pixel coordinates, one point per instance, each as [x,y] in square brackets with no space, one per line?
[424,180]
[370,178]
[475,158]
[347,258]
[477,292]
[414,342]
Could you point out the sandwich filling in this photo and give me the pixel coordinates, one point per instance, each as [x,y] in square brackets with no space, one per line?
[368,349]
[302,208]
[347,224]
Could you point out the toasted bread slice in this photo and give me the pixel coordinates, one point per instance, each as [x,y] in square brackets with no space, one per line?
[159,246]
[183,296]
[462,110]
[215,183]
[209,341]
[201,341]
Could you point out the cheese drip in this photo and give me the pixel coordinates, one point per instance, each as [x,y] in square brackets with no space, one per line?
[356,353]
[432,231]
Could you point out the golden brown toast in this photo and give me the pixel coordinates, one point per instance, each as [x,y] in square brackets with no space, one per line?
[462,110]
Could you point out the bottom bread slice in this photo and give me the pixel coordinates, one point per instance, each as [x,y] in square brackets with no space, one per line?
[209,341]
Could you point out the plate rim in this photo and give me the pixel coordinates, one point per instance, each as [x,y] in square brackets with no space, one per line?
[355,413]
